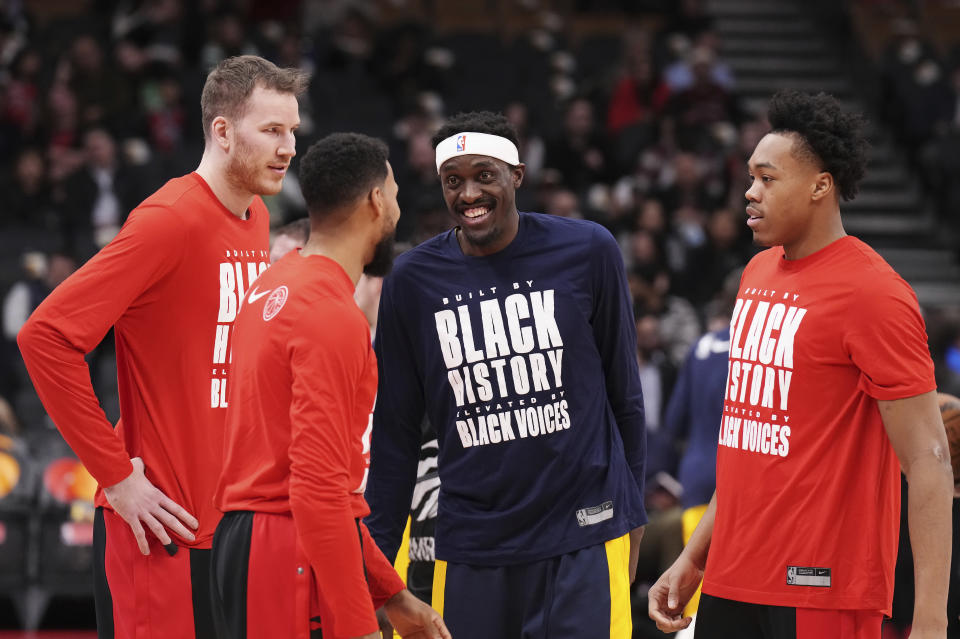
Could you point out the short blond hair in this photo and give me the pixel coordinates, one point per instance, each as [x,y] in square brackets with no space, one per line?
[232,81]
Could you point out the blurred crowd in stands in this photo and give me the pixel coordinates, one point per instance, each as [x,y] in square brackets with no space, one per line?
[632,121]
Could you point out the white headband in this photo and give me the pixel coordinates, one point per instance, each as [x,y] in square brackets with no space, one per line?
[470,143]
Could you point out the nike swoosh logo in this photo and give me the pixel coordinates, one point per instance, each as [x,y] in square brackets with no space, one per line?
[254,295]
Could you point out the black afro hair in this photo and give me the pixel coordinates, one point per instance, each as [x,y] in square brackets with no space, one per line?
[828,136]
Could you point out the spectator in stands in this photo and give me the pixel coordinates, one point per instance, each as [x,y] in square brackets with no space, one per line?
[419,177]
[940,159]
[92,82]
[27,195]
[9,424]
[657,372]
[681,75]
[652,218]
[401,64]
[61,131]
[927,104]
[564,203]
[736,177]
[901,55]
[644,257]
[130,66]
[695,110]
[948,362]
[688,18]
[679,324]
[579,152]
[532,148]
[690,180]
[639,94]
[20,101]
[289,237]
[229,39]
[726,248]
[95,200]
[166,114]
[41,274]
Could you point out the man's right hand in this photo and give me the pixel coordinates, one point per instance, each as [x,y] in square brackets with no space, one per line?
[671,593]
[140,504]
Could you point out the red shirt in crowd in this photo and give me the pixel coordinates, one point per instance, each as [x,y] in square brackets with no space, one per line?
[808,485]
[170,284]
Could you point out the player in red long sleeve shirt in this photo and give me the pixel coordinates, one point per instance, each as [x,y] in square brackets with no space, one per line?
[291,551]
[170,283]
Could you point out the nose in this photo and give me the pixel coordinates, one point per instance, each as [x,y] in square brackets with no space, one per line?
[753,193]
[471,191]
[288,146]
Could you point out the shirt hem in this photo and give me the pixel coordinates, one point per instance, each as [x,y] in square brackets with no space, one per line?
[514,557]
[825,600]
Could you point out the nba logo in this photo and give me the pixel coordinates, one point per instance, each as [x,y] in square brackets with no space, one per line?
[461,143]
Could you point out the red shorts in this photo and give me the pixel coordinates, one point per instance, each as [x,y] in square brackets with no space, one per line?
[262,581]
[148,596]
[719,618]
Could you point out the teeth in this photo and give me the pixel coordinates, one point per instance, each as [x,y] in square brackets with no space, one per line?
[477,212]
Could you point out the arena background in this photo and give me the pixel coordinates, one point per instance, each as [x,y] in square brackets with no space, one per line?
[638,114]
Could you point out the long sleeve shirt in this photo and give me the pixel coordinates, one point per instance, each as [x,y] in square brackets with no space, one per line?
[298,430]
[170,284]
[525,363]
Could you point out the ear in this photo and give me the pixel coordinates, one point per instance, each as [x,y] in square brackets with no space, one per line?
[221,131]
[518,172]
[822,186]
[377,202]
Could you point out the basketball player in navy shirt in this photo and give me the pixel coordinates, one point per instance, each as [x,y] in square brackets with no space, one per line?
[514,333]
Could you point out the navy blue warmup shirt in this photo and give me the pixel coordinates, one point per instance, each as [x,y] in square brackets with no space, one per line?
[525,362]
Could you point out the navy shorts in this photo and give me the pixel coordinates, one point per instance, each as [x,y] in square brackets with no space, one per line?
[580,595]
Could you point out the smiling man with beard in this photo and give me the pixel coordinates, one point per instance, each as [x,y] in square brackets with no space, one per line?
[514,333]
[170,284]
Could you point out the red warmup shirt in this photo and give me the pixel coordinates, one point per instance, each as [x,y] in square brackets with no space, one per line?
[298,430]
[808,485]
[170,284]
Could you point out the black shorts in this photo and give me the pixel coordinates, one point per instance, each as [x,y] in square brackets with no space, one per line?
[727,619]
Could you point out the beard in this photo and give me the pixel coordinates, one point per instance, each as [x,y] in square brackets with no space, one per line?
[382,259]
[483,238]
[244,174]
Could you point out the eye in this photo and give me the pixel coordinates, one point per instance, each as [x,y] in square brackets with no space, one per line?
[452,180]
[486,176]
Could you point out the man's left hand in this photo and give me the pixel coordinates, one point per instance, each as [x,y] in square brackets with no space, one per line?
[414,619]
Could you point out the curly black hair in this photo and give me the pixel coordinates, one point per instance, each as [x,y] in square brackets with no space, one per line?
[477,122]
[828,136]
[339,169]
